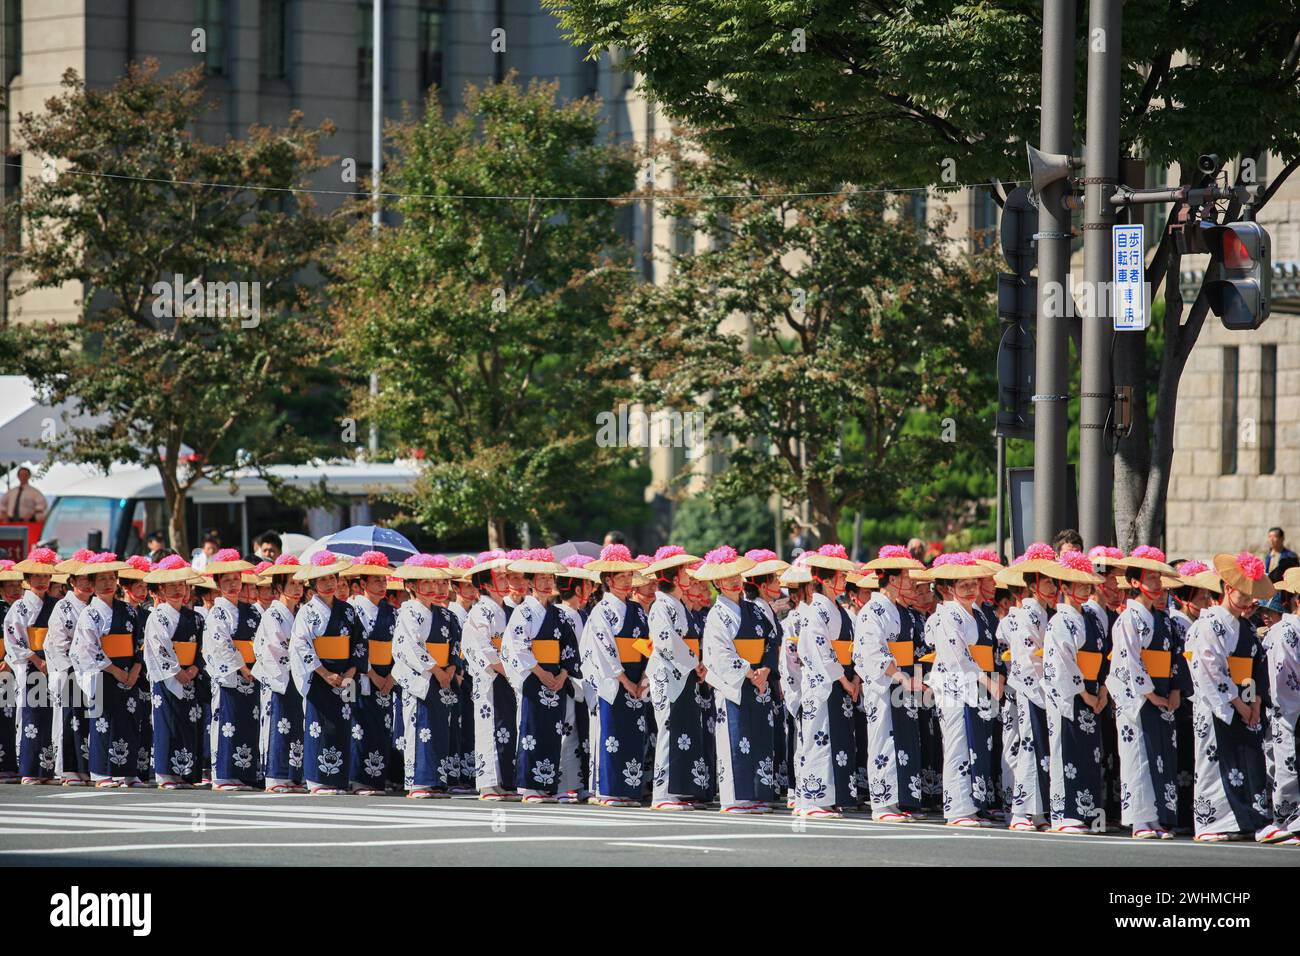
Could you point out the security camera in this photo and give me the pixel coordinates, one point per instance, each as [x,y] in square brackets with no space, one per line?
[1208,163]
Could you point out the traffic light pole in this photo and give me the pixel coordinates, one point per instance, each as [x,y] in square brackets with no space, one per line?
[1101,158]
[1051,401]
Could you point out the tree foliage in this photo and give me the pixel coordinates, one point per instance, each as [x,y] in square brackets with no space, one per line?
[482,317]
[132,198]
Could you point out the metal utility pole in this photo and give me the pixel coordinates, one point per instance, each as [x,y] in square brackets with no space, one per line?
[1101,170]
[376,162]
[1056,136]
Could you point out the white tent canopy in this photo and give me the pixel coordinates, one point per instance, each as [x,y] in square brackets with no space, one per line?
[24,418]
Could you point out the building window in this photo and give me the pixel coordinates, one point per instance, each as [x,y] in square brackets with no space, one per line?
[366,48]
[1268,409]
[433,16]
[590,77]
[13,42]
[274,36]
[212,14]
[684,237]
[984,219]
[917,209]
[13,192]
[1228,426]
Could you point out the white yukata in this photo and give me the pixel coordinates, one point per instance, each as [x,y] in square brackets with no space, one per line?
[681,768]
[618,720]
[893,734]
[236,709]
[495,708]
[281,729]
[1283,644]
[34,745]
[826,776]
[109,702]
[790,672]
[964,713]
[1023,630]
[70,733]
[744,721]
[428,709]
[177,713]
[1075,787]
[1147,738]
[1232,786]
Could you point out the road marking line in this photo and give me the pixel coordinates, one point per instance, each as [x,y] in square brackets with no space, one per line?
[675,846]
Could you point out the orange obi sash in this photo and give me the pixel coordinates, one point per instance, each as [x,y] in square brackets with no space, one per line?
[185,651]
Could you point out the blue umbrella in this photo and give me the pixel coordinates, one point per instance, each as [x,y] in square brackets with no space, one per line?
[367,537]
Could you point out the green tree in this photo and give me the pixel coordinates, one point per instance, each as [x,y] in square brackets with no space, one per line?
[482,317]
[130,202]
[901,92]
[808,333]
[700,524]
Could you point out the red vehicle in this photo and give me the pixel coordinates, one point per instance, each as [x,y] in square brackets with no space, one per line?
[18,537]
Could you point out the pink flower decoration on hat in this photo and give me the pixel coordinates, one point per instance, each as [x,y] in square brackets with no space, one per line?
[140,563]
[227,554]
[721,555]
[1104,551]
[833,551]
[962,558]
[541,554]
[262,566]
[104,557]
[43,556]
[694,565]
[1146,551]
[82,554]
[1191,568]
[172,562]
[6,564]
[462,561]
[323,559]
[615,552]
[985,554]
[577,561]
[516,554]
[893,551]
[376,558]
[759,555]
[1039,551]
[669,551]
[427,561]
[286,559]
[489,556]
[1075,560]
[1250,565]
[644,559]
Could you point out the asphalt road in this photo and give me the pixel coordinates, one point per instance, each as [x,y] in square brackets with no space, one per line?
[49,826]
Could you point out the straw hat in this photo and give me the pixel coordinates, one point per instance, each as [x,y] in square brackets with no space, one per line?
[1245,572]
[1072,570]
[866,580]
[829,557]
[1205,579]
[537,561]
[9,574]
[38,561]
[284,564]
[1009,578]
[1290,581]
[614,558]
[58,578]
[796,575]
[369,562]
[184,575]
[1105,555]
[397,584]
[422,572]
[1148,559]
[765,562]
[669,557]
[225,561]
[492,564]
[721,563]
[958,566]
[201,581]
[894,557]
[138,568]
[323,564]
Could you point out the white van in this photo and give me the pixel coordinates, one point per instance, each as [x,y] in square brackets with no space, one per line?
[115,512]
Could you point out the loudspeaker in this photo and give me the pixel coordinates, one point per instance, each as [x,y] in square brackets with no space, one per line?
[1046,168]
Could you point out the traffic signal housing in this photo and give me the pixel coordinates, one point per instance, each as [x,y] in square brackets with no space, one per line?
[1238,283]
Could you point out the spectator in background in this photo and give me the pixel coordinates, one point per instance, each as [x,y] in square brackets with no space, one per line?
[268,546]
[155,546]
[615,537]
[916,548]
[1067,540]
[23,502]
[800,539]
[211,545]
[1279,558]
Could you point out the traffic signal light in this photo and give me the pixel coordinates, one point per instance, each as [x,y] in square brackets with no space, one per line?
[1238,283]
